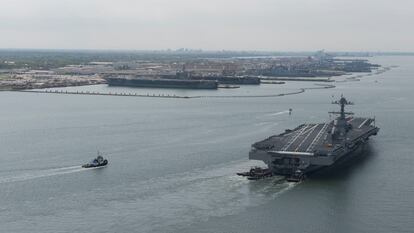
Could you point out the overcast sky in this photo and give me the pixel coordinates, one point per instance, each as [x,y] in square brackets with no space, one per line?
[282,25]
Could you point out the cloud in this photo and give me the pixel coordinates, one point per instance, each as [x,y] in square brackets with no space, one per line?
[212,24]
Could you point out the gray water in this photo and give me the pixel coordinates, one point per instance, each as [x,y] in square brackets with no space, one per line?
[173,161]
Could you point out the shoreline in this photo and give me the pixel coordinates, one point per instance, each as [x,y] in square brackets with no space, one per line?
[43,90]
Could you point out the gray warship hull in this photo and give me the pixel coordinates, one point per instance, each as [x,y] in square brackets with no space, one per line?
[162,83]
[233,80]
[311,147]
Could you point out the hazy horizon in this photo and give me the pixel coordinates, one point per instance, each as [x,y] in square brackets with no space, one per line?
[238,25]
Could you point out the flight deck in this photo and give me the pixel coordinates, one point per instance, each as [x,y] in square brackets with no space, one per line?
[307,137]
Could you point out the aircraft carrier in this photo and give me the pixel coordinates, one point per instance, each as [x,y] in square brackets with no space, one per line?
[310,147]
[161,82]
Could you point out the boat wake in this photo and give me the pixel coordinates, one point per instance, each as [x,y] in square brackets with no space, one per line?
[279,113]
[199,195]
[42,173]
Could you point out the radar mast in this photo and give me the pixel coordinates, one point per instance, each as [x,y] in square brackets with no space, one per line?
[341,126]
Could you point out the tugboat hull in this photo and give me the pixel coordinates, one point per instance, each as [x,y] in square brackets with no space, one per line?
[90,165]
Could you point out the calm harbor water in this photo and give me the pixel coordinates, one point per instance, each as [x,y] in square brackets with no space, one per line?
[173,161]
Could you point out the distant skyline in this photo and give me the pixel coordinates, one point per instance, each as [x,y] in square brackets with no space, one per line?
[263,25]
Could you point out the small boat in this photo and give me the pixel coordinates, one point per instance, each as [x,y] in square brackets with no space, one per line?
[256,173]
[297,176]
[99,161]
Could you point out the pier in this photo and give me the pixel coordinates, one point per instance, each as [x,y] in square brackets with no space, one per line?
[62,92]
[103,94]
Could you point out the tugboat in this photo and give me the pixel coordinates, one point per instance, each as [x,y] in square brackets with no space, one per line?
[256,173]
[99,161]
[297,176]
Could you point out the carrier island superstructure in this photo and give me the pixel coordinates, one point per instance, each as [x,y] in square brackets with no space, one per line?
[310,147]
